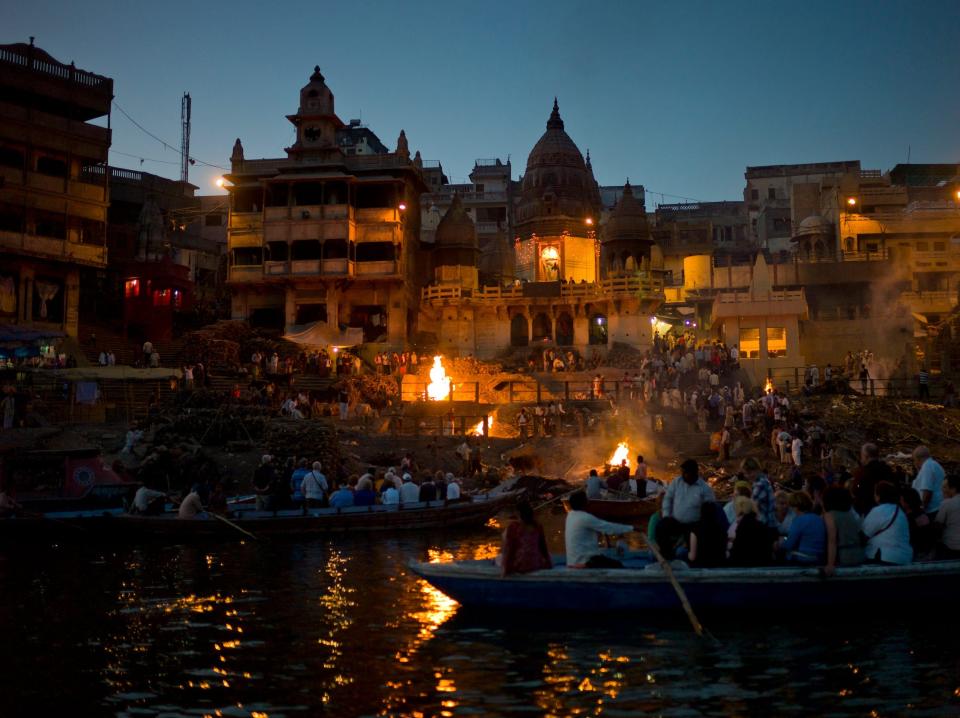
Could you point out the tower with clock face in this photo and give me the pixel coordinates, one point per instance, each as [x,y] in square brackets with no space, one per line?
[316,121]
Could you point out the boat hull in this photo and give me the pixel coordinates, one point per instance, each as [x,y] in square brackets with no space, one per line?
[292,524]
[619,511]
[563,589]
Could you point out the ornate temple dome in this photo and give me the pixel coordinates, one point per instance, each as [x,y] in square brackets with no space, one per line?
[627,221]
[456,230]
[813,225]
[558,187]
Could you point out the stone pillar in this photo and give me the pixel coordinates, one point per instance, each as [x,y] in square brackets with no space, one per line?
[71,312]
[290,308]
[26,294]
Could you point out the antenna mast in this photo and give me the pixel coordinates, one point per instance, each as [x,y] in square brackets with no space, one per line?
[185,138]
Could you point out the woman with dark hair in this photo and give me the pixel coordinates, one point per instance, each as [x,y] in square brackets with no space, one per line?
[843,530]
[708,538]
[524,547]
[922,535]
[887,528]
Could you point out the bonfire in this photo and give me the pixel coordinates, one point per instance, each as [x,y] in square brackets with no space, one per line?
[439,387]
[621,454]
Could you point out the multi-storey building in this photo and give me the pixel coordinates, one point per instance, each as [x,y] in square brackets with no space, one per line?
[53,187]
[324,237]
[488,200]
[776,200]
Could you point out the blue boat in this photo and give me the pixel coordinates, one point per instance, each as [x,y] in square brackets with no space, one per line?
[643,585]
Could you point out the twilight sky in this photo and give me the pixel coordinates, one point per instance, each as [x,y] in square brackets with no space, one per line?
[679,96]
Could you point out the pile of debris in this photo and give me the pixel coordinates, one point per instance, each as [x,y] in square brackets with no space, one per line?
[317,440]
[376,390]
[228,343]
[624,356]
[460,366]
[897,426]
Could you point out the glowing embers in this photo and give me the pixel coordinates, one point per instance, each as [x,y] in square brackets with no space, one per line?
[439,387]
[477,429]
[621,454]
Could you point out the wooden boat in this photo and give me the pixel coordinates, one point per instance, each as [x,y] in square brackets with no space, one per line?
[288,523]
[643,585]
[620,510]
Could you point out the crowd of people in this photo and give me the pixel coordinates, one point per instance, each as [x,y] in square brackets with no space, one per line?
[870,517]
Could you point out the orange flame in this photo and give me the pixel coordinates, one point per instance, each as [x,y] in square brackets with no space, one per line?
[477,430]
[768,387]
[621,454]
[439,387]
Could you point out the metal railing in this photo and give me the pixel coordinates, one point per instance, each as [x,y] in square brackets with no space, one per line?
[651,285]
[64,72]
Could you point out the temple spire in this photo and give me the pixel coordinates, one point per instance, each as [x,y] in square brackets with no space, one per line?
[555,122]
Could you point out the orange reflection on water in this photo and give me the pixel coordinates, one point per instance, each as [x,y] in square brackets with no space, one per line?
[565,691]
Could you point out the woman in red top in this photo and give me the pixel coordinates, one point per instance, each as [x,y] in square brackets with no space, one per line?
[524,547]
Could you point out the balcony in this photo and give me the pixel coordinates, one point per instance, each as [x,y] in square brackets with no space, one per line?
[276,268]
[939,302]
[305,266]
[490,227]
[57,185]
[93,255]
[338,267]
[246,221]
[88,192]
[377,214]
[246,273]
[244,239]
[380,268]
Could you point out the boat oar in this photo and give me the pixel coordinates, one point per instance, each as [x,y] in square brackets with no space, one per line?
[232,525]
[678,589]
[555,498]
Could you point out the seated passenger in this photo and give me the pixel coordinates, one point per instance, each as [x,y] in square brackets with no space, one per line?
[948,519]
[752,542]
[582,530]
[191,507]
[594,485]
[389,495]
[806,543]
[148,502]
[343,496]
[524,546]
[708,538]
[922,531]
[843,530]
[364,495]
[740,489]
[887,529]
[784,513]
[428,489]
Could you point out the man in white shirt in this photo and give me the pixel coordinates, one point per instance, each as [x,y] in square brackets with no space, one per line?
[929,481]
[390,496]
[149,502]
[453,488]
[686,494]
[409,491]
[594,485]
[581,533]
[191,507]
[314,487]
[796,451]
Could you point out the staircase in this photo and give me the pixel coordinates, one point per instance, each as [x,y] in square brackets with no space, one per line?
[127,351]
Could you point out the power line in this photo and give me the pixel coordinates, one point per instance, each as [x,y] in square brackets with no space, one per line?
[163,142]
[143,159]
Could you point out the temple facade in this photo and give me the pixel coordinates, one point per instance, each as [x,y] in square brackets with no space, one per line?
[575,283]
[324,237]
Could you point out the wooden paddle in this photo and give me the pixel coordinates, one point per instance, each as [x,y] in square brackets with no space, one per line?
[678,589]
[232,525]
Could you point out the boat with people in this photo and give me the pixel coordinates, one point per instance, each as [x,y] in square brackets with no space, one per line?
[642,584]
[472,511]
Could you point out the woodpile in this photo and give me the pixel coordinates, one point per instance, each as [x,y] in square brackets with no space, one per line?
[624,356]
[316,440]
[227,343]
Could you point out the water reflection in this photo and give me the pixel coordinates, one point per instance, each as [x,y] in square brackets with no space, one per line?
[343,628]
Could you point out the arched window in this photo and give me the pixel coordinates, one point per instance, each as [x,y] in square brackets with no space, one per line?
[519,336]
[597,335]
[542,328]
[564,329]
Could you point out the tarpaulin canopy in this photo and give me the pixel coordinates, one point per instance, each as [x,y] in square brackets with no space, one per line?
[321,334]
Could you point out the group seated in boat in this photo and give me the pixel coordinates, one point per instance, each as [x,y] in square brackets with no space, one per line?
[819,528]
[306,489]
[621,483]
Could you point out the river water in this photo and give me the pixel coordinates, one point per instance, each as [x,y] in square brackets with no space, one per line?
[341,627]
